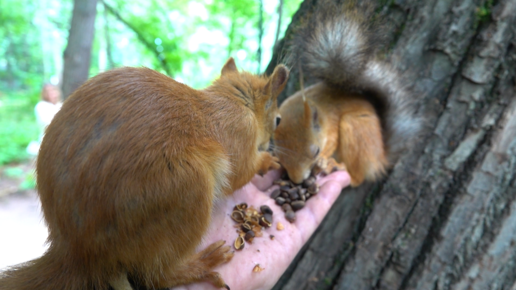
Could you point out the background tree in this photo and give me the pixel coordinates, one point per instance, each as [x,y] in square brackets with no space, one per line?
[445,216]
[77,55]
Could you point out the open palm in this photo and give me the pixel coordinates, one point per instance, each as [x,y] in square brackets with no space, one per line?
[272,255]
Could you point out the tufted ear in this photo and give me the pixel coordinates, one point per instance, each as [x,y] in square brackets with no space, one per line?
[277,81]
[230,66]
[311,116]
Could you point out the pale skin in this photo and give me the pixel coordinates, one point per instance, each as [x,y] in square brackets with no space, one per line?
[274,256]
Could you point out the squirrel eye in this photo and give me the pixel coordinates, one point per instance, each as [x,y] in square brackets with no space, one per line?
[278,120]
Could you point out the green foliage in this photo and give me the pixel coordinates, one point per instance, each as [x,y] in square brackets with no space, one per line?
[188,39]
[17,125]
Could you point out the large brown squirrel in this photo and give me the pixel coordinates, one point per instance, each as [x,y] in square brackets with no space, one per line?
[128,173]
[359,116]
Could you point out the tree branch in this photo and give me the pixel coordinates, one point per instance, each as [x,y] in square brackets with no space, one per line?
[139,35]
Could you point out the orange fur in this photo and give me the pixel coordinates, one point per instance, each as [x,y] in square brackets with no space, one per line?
[343,126]
[128,172]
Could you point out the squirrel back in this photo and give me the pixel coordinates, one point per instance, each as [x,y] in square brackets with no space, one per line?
[129,170]
[338,46]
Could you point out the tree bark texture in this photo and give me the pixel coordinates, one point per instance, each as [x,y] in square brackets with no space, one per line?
[445,216]
[77,55]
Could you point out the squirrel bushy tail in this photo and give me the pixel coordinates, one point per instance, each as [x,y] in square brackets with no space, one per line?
[338,45]
[48,272]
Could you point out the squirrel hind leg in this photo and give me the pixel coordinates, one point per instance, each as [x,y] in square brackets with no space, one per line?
[199,267]
[361,147]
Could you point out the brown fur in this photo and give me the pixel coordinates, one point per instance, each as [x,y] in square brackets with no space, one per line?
[128,172]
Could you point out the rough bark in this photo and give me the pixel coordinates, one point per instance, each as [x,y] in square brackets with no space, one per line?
[444,218]
[77,55]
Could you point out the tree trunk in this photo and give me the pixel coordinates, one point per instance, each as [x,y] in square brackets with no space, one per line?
[77,54]
[445,216]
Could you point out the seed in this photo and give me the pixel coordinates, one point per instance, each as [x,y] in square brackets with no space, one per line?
[286,207]
[268,217]
[280,226]
[249,236]
[290,216]
[313,189]
[264,222]
[285,188]
[294,196]
[242,206]
[284,194]
[237,216]
[257,268]
[280,200]
[239,243]
[254,220]
[246,227]
[288,200]
[307,182]
[271,237]
[307,195]
[297,205]
[265,209]
[275,193]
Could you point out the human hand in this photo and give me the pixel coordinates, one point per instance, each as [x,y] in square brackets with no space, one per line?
[274,256]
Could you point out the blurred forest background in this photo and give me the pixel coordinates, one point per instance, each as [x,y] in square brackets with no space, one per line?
[187,40]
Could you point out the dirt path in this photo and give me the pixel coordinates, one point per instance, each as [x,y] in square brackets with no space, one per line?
[22,230]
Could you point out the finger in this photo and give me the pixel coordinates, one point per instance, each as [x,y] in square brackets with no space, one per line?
[342,177]
[329,191]
[263,183]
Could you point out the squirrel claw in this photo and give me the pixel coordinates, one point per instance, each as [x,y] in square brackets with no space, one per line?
[227,287]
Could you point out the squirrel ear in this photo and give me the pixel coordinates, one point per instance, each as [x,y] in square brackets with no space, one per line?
[277,81]
[230,66]
[311,116]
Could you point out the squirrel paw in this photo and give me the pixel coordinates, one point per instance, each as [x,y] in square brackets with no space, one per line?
[214,255]
[269,162]
[327,166]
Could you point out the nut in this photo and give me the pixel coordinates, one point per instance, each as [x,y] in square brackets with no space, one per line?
[239,243]
[308,182]
[285,187]
[242,206]
[265,209]
[286,207]
[246,227]
[237,216]
[297,205]
[268,217]
[257,268]
[290,216]
[249,236]
[280,200]
[264,222]
[280,226]
[275,193]
[313,189]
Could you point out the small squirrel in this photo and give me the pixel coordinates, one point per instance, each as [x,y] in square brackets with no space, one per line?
[128,173]
[358,117]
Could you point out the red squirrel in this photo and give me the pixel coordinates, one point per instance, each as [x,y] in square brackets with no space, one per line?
[359,116]
[129,170]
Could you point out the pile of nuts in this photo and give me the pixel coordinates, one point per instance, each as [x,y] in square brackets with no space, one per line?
[292,197]
[250,222]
